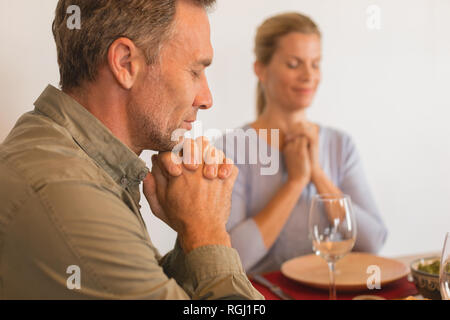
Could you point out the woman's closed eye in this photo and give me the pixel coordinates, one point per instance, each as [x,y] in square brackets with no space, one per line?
[292,64]
[316,65]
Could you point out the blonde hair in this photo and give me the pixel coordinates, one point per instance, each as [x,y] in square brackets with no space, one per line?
[267,37]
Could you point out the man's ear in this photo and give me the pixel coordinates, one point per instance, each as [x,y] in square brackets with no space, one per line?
[260,70]
[125,61]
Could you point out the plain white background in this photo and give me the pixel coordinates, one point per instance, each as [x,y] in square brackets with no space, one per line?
[388,88]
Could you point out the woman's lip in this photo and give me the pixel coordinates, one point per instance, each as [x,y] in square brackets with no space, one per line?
[303,90]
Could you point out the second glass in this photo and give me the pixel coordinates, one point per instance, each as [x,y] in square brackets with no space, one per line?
[332,228]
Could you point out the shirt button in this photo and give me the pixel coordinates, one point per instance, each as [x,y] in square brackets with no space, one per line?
[124,182]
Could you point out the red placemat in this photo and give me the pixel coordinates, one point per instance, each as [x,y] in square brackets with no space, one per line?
[396,290]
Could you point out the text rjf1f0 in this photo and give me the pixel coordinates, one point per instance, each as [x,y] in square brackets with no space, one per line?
[240,310]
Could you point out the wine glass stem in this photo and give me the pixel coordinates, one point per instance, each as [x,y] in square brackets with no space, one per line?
[332,281]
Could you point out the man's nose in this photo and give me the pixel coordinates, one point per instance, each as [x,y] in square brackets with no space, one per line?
[204,99]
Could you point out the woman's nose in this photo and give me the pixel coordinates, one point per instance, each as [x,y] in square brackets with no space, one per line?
[306,74]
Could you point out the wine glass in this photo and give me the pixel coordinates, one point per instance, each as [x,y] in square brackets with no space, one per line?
[444,274]
[332,228]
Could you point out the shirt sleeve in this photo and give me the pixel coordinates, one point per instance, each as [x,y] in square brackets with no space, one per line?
[371,230]
[245,235]
[83,225]
[209,272]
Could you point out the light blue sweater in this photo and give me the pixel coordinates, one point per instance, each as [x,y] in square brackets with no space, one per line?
[340,161]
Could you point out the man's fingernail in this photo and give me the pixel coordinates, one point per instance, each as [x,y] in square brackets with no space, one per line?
[212,171]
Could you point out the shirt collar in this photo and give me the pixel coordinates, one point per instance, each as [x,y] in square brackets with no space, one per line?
[122,164]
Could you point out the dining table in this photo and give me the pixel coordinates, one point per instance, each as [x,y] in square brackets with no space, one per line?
[397,290]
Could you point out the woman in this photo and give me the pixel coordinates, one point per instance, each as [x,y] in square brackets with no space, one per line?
[269,215]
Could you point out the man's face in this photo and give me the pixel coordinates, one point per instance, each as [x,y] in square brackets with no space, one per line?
[169,94]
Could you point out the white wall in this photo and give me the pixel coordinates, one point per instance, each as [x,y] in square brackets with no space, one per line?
[388,88]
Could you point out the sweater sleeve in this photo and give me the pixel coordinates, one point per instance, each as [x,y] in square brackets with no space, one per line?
[371,230]
[244,233]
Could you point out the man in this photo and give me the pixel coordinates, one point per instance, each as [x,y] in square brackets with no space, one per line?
[70,226]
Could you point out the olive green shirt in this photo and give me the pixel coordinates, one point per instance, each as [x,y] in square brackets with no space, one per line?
[70,225]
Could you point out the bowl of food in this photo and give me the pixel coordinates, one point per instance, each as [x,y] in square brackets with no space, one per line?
[425,272]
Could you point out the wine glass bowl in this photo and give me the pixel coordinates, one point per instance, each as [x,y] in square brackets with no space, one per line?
[332,229]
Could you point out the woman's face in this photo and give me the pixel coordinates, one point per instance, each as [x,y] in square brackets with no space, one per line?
[291,79]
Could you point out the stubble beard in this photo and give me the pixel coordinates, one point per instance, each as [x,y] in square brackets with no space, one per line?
[151,124]
[152,130]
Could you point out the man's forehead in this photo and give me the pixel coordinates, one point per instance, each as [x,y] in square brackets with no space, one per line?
[191,18]
[191,35]
[197,48]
